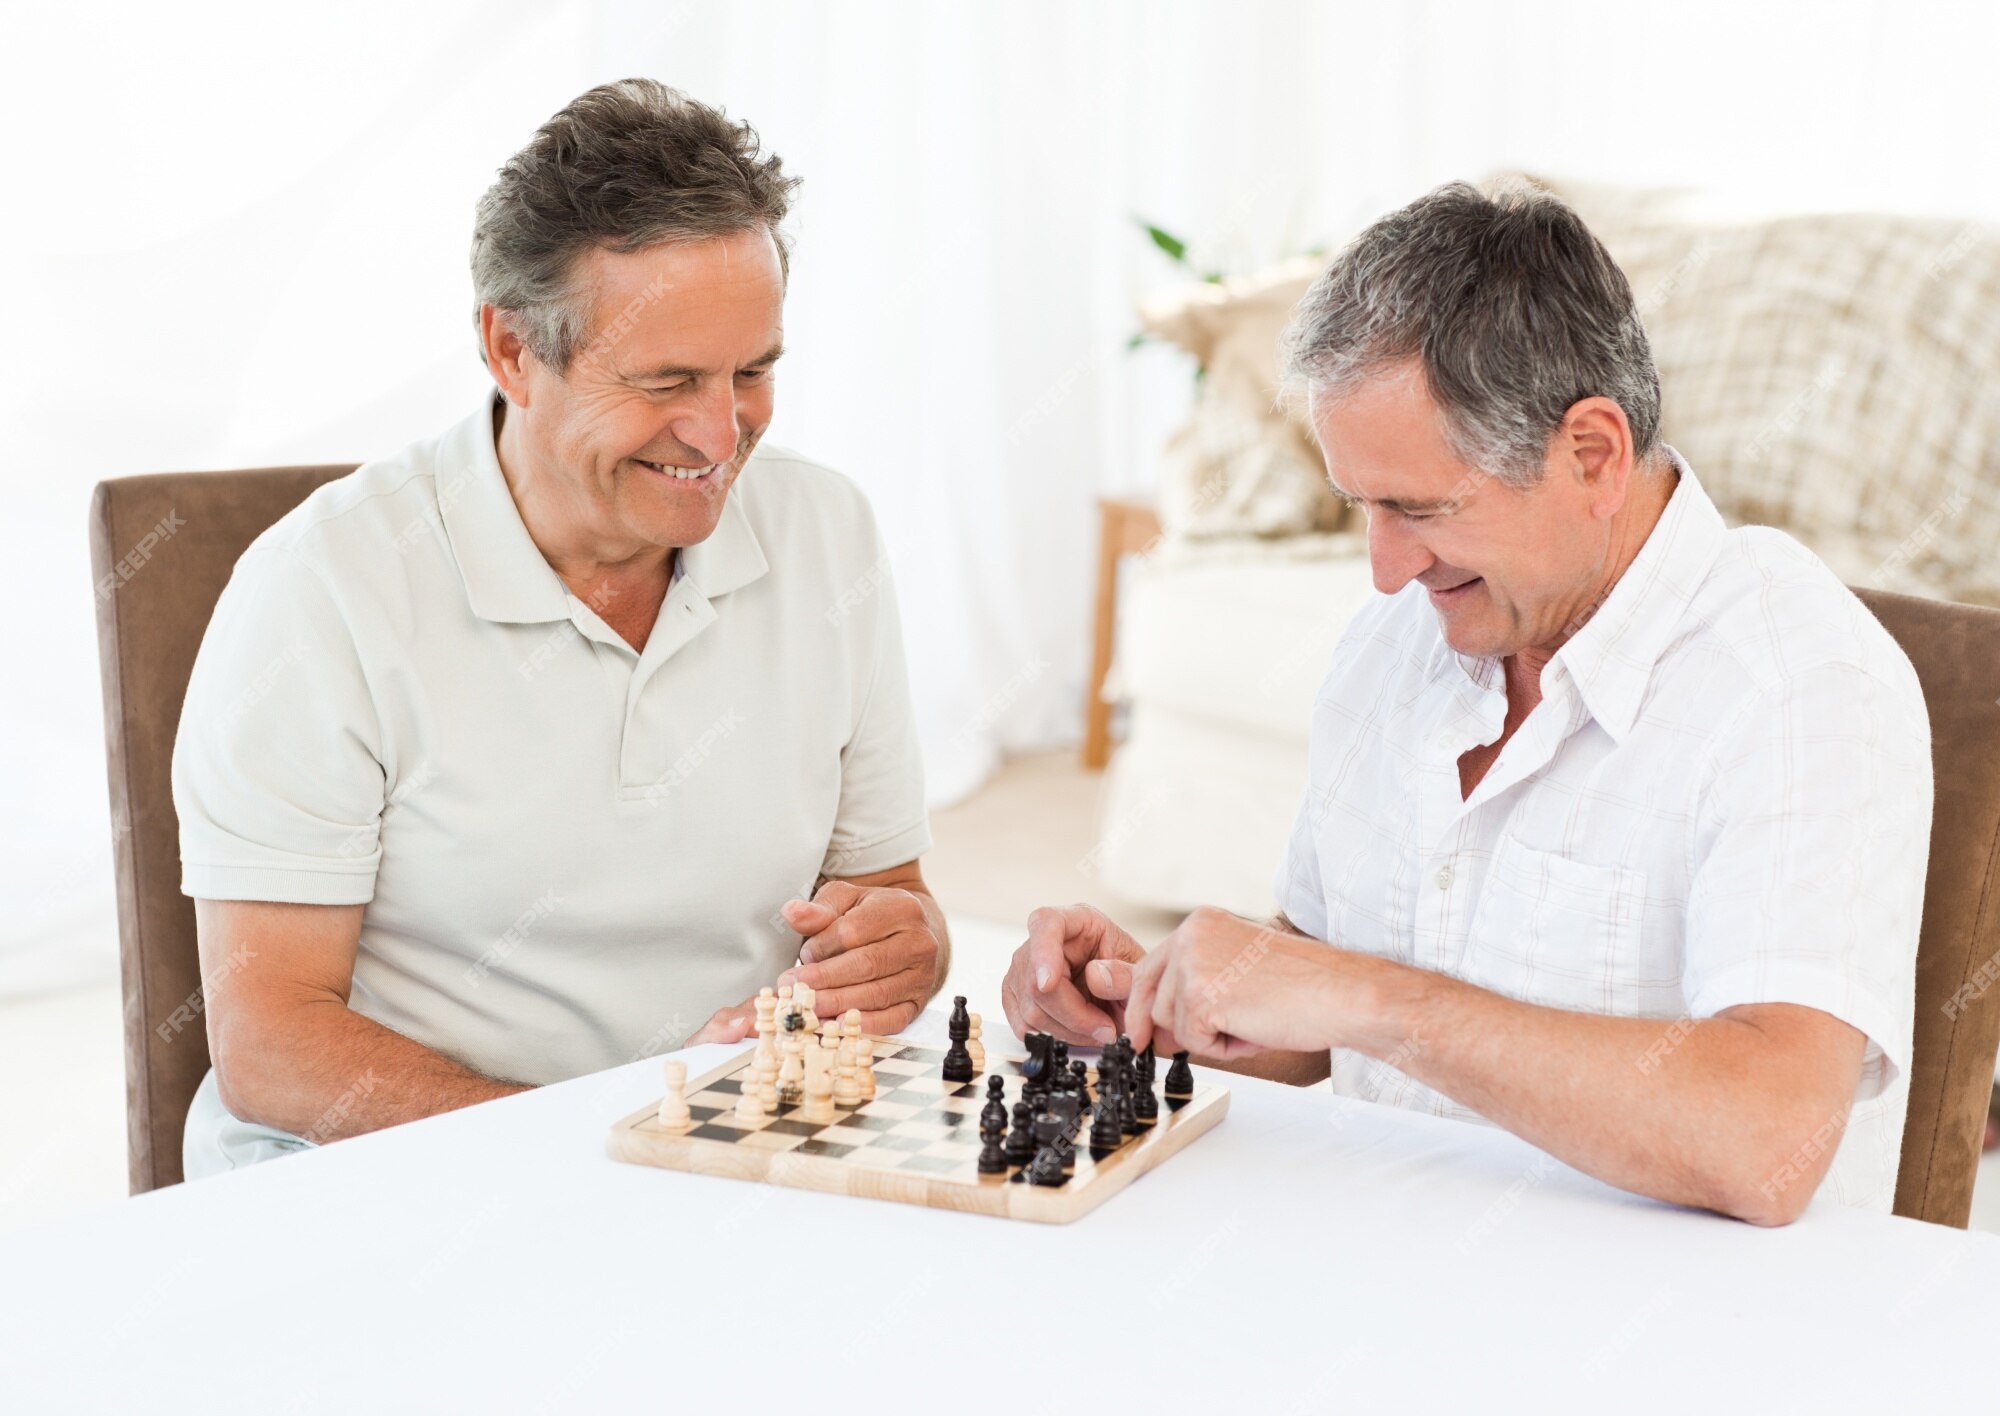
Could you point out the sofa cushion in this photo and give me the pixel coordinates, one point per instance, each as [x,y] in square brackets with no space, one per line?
[1238,633]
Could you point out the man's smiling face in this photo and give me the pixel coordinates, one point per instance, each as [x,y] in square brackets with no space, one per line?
[1506,569]
[638,441]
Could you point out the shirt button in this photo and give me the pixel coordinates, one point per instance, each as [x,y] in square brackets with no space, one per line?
[1444,877]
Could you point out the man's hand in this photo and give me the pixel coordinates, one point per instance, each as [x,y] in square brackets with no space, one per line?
[1071,977]
[875,947]
[1223,987]
[725,1025]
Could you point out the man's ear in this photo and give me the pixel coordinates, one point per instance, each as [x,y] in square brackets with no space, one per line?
[1595,443]
[506,354]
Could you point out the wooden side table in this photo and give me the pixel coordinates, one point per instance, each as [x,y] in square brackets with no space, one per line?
[1123,528]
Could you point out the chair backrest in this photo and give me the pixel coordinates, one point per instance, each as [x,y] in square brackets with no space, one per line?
[1956,651]
[161,549]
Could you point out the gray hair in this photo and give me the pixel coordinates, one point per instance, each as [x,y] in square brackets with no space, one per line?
[625,166]
[1514,310]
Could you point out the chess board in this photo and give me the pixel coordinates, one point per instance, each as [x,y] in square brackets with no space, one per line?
[916,1141]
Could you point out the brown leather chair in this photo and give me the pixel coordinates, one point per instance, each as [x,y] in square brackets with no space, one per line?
[161,549]
[1956,651]
[150,623]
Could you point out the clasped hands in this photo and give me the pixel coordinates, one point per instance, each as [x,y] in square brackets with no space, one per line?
[1220,986]
[869,947]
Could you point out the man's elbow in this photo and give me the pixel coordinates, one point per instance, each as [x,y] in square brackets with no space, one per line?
[256,1057]
[1771,1185]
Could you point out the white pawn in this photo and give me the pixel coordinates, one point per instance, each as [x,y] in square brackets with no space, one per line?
[818,1106]
[846,1076]
[864,1053]
[674,1113]
[977,1048]
[762,1077]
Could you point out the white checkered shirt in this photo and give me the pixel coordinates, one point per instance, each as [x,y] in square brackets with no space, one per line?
[1724,797]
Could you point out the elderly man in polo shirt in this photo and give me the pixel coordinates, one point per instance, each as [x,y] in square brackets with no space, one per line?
[541,746]
[1616,820]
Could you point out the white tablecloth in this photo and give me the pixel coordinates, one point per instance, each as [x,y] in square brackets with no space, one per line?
[1310,1254]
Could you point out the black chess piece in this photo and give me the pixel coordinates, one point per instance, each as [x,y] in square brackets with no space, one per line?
[1128,1086]
[992,1157]
[1106,1134]
[1066,1151]
[1145,1105]
[995,1113]
[1047,1167]
[1148,1060]
[957,1060]
[1180,1079]
[1021,1140]
[1036,1064]
[1059,1063]
[1079,1083]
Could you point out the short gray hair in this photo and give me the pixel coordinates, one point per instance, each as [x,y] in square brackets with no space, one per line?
[627,165]
[1513,308]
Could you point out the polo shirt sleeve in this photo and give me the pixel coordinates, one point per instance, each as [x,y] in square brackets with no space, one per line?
[1810,853]
[277,773]
[881,820]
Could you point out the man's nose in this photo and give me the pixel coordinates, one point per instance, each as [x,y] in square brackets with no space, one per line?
[710,427]
[1394,553]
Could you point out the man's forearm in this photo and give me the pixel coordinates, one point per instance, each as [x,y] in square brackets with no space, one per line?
[1688,1111]
[324,1072]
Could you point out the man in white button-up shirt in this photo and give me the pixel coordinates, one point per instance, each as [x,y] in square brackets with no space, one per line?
[1617,820]
[521,753]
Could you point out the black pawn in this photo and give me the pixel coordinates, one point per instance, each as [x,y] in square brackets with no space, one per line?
[1148,1060]
[1145,1105]
[1080,1084]
[958,1061]
[995,1113]
[1021,1140]
[1106,1134]
[992,1158]
[1180,1079]
[1046,1168]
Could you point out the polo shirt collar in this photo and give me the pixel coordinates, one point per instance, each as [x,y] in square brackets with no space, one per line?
[507,578]
[1612,658]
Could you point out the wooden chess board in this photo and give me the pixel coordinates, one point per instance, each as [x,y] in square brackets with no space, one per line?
[916,1141]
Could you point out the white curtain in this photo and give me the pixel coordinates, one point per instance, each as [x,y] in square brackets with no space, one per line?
[235,235]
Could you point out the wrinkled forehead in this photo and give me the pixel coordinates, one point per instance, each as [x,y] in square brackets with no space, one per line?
[1383,439]
[695,306]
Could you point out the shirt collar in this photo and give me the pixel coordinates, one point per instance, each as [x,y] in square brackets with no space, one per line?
[509,580]
[1612,658]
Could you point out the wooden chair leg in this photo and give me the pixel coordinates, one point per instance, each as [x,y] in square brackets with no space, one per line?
[1123,528]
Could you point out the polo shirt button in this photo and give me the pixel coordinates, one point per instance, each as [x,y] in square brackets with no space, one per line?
[1444,877]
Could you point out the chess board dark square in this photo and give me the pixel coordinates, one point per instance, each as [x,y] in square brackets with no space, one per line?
[864,1122]
[716,1133]
[705,1113]
[827,1148]
[788,1127]
[727,1084]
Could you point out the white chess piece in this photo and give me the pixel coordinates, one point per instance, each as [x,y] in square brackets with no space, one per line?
[846,1078]
[864,1053]
[818,1106]
[674,1113]
[977,1048]
[762,1076]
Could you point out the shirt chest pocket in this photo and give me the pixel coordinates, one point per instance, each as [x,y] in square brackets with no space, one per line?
[1552,930]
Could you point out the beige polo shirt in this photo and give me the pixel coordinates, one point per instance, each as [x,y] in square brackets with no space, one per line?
[571,854]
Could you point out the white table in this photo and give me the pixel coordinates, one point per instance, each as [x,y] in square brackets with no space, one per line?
[1310,1254]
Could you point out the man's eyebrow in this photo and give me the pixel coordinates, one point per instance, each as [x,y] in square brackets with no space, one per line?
[682,371]
[1395,503]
